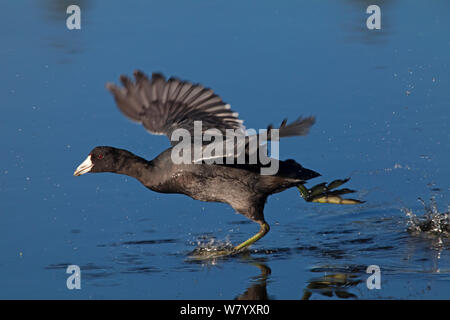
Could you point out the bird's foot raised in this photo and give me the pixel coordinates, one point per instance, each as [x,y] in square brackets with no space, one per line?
[323,193]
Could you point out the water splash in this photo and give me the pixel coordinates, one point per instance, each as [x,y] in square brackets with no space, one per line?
[212,248]
[432,222]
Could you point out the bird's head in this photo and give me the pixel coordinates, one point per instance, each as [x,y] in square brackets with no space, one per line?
[100,159]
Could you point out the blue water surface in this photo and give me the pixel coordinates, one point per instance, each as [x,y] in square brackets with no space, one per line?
[381,98]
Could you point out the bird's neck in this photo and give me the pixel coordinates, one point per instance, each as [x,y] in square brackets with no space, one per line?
[136,167]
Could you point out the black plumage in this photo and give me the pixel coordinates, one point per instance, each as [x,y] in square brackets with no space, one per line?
[163,106]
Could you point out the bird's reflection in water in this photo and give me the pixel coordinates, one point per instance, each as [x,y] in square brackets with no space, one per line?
[332,284]
[258,288]
[334,281]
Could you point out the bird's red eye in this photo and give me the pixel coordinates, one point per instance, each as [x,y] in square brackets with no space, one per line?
[100,156]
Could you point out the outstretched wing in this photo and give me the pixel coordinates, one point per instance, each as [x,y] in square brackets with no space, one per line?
[299,127]
[163,106]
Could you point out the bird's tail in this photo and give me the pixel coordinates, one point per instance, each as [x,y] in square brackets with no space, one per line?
[323,193]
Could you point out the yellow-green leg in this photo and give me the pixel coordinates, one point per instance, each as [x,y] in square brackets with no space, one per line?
[322,193]
[262,232]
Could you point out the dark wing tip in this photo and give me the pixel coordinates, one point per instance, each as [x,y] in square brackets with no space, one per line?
[158,76]
[298,127]
[309,120]
[139,75]
[127,83]
[301,125]
[172,79]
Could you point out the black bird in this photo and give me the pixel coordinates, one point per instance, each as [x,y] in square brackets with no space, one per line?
[162,107]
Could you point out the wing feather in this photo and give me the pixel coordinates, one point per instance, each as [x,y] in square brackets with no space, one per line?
[162,106]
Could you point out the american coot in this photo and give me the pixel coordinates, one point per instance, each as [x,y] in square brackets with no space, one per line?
[161,107]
